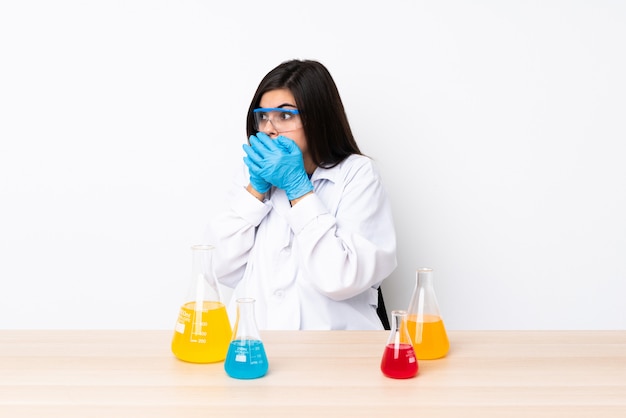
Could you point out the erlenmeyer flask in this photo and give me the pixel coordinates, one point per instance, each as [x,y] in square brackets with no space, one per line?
[202,331]
[246,358]
[424,321]
[399,361]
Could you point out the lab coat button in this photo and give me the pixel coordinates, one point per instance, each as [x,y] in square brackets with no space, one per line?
[279,294]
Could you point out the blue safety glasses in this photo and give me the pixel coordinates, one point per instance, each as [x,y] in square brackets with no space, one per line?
[282,119]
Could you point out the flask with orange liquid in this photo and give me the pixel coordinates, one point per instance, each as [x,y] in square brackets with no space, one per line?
[424,321]
[203,332]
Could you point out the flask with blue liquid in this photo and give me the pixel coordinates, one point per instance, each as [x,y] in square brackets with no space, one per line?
[246,358]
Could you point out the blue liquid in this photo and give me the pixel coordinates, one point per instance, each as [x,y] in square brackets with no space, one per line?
[246,359]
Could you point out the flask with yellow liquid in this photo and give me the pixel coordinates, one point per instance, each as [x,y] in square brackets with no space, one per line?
[424,321]
[202,332]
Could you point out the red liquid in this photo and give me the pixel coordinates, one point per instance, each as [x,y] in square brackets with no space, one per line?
[399,363]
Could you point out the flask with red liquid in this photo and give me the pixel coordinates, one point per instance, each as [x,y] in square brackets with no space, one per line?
[424,321]
[399,360]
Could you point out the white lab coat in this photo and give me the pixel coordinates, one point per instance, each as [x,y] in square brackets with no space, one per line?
[316,265]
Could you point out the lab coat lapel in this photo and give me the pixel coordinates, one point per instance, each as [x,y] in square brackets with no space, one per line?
[282,237]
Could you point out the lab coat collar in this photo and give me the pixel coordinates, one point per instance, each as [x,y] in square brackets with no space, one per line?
[322,173]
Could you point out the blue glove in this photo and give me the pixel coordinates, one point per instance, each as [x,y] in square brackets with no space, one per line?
[278,162]
[259,184]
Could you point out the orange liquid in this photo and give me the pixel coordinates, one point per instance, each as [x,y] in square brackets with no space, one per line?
[202,336]
[429,338]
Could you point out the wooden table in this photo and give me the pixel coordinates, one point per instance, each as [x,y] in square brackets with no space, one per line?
[117,374]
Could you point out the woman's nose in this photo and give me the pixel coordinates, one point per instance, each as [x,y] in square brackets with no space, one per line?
[269,130]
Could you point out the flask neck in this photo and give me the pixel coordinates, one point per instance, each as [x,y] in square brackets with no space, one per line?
[396,319]
[423,303]
[204,287]
[202,260]
[399,333]
[424,277]
[245,326]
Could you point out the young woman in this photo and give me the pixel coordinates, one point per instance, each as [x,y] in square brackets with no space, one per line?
[309,233]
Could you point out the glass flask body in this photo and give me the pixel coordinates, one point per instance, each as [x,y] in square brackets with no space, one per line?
[424,321]
[246,358]
[399,361]
[202,332]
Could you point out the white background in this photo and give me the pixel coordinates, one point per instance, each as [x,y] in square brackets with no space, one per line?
[498,126]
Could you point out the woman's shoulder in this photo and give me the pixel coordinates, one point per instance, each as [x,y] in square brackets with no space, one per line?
[355,161]
[354,166]
[358,162]
[357,166]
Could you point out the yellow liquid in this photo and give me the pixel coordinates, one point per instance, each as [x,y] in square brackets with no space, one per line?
[202,336]
[430,340]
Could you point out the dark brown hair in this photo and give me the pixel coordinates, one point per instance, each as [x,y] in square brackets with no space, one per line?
[324,120]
